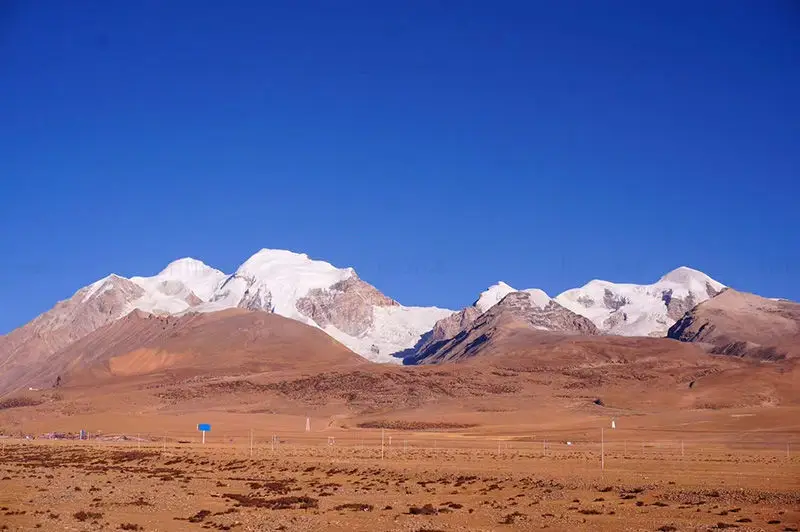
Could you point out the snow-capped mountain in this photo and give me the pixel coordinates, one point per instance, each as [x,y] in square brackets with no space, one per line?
[182,285]
[621,309]
[350,310]
[471,330]
[286,283]
[321,295]
[641,310]
[531,306]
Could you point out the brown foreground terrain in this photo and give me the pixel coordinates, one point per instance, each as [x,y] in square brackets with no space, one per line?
[459,479]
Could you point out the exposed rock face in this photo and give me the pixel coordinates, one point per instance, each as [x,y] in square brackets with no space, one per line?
[613,301]
[516,310]
[256,298]
[551,317]
[740,324]
[452,325]
[347,305]
[676,306]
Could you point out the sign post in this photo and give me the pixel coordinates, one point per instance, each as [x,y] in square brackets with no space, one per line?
[204,427]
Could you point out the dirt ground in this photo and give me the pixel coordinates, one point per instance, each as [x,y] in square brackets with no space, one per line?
[441,481]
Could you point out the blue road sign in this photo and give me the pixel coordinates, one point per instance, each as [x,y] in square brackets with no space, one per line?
[204,427]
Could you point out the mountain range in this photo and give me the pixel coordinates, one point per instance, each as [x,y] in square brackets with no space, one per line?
[337,302]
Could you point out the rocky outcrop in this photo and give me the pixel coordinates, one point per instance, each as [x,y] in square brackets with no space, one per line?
[676,306]
[455,323]
[347,305]
[746,325]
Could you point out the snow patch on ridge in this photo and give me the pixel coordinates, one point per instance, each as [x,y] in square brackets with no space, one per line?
[98,287]
[493,295]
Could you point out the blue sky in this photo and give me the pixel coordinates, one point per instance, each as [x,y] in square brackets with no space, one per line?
[435,146]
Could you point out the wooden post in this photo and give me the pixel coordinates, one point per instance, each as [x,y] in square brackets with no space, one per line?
[602,450]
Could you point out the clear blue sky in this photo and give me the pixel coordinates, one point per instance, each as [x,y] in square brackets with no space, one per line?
[435,146]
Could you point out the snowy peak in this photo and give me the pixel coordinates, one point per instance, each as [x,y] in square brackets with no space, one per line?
[538,298]
[497,292]
[188,268]
[641,310]
[493,295]
[280,263]
[277,279]
[691,279]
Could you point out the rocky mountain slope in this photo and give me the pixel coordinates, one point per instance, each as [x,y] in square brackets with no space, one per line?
[741,324]
[641,310]
[529,309]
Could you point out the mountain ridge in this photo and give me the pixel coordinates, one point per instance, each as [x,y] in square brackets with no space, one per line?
[335,300]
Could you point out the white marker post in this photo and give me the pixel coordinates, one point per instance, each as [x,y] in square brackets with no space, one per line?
[602,450]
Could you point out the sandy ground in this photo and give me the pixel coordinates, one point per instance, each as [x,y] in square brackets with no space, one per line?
[421,481]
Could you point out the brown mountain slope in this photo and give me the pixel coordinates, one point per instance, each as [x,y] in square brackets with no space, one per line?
[516,311]
[230,342]
[66,322]
[741,324]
